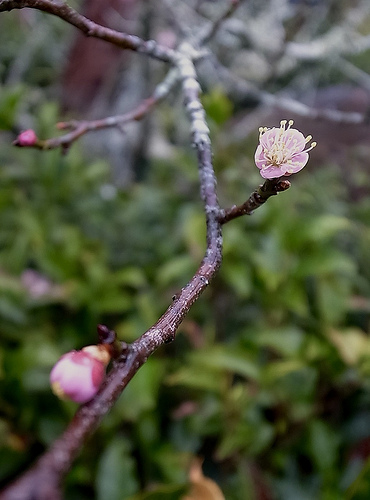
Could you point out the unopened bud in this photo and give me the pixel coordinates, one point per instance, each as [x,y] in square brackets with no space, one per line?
[78,374]
[26,138]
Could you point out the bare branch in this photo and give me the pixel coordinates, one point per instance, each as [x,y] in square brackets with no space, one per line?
[354,73]
[244,89]
[43,480]
[81,127]
[334,43]
[55,463]
[257,198]
[294,106]
[90,28]
[209,32]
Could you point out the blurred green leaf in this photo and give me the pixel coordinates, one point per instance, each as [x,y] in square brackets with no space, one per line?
[141,394]
[360,488]
[287,341]
[323,444]
[226,358]
[162,492]
[116,477]
[173,271]
[203,379]
[218,107]
[10,99]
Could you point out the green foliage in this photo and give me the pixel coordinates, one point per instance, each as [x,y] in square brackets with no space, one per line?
[268,379]
[115,478]
[8,106]
[218,107]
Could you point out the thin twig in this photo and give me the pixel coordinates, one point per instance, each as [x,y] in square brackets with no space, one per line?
[336,42]
[299,108]
[175,19]
[257,198]
[354,73]
[209,31]
[43,480]
[90,28]
[81,127]
[244,90]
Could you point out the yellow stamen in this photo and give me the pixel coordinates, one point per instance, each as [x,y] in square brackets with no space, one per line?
[313,145]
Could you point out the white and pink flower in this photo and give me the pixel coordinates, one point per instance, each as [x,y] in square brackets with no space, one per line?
[281,151]
[78,374]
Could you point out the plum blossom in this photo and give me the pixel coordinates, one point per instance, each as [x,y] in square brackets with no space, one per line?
[281,151]
[78,374]
[26,138]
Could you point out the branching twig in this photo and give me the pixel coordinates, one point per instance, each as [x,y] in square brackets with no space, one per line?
[43,480]
[81,127]
[209,32]
[354,73]
[90,28]
[301,109]
[257,198]
[334,43]
[244,90]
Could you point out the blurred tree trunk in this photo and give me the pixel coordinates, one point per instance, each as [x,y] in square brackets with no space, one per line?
[100,79]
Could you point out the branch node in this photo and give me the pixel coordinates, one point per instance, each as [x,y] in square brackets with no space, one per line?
[109,337]
[283,185]
[204,280]
[170,338]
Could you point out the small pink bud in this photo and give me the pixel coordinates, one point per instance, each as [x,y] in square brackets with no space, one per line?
[78,374]
[26,138]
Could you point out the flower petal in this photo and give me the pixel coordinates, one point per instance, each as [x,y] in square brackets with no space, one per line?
[272,172]
[297,162]
[294,140]
[267,140]
[259,157]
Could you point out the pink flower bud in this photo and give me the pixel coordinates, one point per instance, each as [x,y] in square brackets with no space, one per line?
[281,151]
[26,138]
[78,374]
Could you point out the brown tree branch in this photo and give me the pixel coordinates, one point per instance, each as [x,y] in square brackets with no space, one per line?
[81,127]
[247,90]
[43,480]
[90,28]
[270,188]
[132,42]
[209,32]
